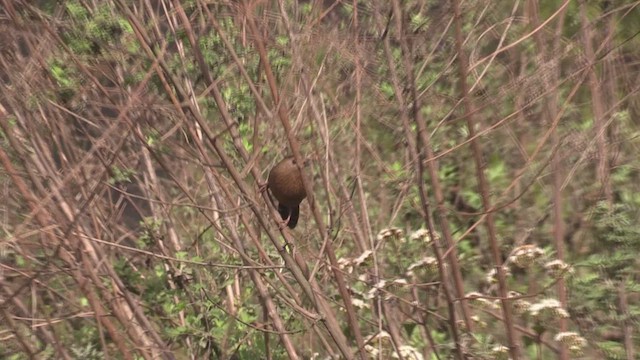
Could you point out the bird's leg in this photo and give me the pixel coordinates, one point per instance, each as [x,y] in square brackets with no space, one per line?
[284,223]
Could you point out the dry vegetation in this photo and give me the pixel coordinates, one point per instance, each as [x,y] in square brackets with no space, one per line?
[472,179]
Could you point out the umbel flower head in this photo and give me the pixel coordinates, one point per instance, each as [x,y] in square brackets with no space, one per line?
[389,234]
[500,352]
[573,341]
[379,345]
[492,275]
[423,268]
[520,305]
[480,300]
[557,268]
[547,311]
[421,234]
[525,255]
[408,352]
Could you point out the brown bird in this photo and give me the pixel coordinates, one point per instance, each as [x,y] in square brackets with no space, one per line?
[285,182]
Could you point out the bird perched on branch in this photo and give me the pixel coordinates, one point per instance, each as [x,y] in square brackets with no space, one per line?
[285,183]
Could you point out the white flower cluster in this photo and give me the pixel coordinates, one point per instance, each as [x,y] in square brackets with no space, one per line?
[547,311]
[389,233]
[573,340]
[557,268]
[525,255]
[347,264]
[425,267]
[380,346]
[500,352]
[421,234]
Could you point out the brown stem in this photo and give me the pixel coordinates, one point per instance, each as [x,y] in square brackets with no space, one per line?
[483,184]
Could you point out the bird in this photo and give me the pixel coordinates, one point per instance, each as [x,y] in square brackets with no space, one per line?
[285,183]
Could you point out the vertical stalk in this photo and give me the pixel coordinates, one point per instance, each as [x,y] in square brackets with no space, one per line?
[483,185]
[550,78]
[424,154]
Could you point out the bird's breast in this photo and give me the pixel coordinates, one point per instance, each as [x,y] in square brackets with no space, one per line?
[287,186]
